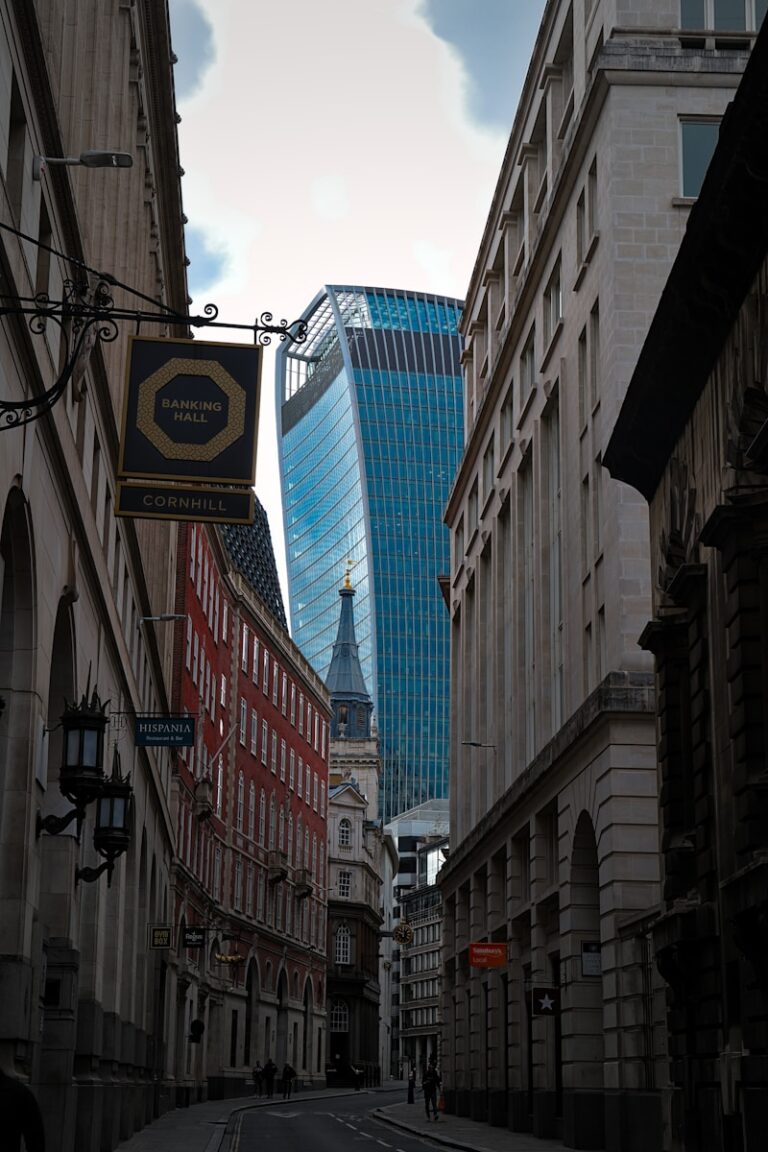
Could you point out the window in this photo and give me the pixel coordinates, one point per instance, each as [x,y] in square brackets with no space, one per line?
[553,305]
[238,883]
[528,367]
[322,799]
[251,810]
[244,649]
[264,741]
[339,1016]
[272,822]
[699,139]
[342,951]
[262,816]
[189,641]
[301,713]
[506,421]
[472,510]
[307,784]
[345,885]
[345,833]
[293,705]
[225,622]
[290,839]
[722,15]
[592,198]
[254,731]
[300,781]
[281,830]
[275,681]
[316,783]
[273,762]
[255,661]
[314,856]
[458,545]
[219,786]
[195,658]
[240,803]
[292,770]
[223,693]
[193,541]
[582,375]
[489,467]
[282,760]
[243,719]
[594,354]
[260,896]
[298,843]
[249,891]
[581,228]
[217,874]
[284,695]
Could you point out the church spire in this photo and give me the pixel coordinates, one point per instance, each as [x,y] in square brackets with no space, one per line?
[351,704]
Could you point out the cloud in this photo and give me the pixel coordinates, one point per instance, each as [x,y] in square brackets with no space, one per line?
[493,40]
[193,44]
[208,263]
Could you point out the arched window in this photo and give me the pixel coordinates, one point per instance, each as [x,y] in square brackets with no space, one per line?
[272,828]
[262,817]
[345,832]
[281,831]
[251,809]
[290,838]
[343,945]
[240,803]
[339,1017]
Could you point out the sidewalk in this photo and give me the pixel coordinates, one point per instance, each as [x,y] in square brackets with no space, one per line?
[459,1132]
[202,1127]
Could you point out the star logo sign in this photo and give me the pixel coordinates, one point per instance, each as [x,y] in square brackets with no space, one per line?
[546,1003]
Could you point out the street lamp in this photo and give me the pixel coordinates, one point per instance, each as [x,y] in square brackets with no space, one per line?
[81,776]
[94,158]
[112,833]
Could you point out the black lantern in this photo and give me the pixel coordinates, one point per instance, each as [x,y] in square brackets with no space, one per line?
[112,833]
[81,776]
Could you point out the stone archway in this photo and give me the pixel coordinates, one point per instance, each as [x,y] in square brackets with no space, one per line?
[583,1050]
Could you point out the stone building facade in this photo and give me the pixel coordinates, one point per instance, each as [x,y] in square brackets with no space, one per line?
[84,1007]
[554,823]
[691,437]
[250,808]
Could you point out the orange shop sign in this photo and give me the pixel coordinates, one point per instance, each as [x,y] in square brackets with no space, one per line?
[487,955]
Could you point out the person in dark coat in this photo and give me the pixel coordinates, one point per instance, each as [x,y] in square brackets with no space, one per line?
[20,1116]
[288,1077]
[430,1083]
[270,1071]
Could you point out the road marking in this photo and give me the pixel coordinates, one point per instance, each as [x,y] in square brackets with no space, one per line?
[383,1143]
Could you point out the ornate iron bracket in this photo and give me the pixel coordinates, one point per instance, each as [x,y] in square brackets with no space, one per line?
[88,875]
[55,824]
[86,314]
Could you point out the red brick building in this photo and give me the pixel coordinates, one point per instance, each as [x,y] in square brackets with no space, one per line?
[250,809]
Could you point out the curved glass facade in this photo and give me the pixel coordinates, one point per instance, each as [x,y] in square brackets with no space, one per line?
[370,420]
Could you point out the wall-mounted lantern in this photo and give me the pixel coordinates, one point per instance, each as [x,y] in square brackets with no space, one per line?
[81,775]
[112,833]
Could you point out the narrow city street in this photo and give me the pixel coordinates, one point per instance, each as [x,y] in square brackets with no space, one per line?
[334,1125]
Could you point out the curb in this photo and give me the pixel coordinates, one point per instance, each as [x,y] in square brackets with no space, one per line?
[437,1137]
[218,1138]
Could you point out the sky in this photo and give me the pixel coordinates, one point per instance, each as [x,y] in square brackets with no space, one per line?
[338,142]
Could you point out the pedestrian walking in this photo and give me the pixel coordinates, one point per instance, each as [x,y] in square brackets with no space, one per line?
[258,1078]
[288,1077]
[270,1071]
[20,1116]
[412,1084]
[430,1082]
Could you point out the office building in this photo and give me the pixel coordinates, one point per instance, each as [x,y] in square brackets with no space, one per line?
[554,796]
[250,812]
[701,464]
[369,425]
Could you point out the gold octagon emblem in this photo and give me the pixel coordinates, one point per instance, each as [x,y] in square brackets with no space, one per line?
[175,450]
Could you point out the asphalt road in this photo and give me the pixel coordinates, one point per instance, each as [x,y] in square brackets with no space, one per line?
[340,1125]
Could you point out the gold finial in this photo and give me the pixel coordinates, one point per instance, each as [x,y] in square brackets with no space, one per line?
[347,581]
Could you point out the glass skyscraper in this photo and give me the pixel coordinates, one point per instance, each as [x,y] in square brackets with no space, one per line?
[369,417]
